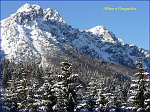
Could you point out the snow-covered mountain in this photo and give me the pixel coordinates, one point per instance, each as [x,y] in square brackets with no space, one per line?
[36,33]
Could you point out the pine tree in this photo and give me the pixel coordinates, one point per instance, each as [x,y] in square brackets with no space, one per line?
[119,97]
[65,89]
[5,78]
[22,90]
[6,73]
[32,104]
[13,82]
[138,99]
[117,101]
[91,99]
[104,95]
[10,94]
[48,97]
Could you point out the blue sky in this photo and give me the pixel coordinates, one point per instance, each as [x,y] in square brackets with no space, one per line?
[131,26]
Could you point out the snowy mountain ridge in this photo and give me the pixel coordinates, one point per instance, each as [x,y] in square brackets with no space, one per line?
[36,33]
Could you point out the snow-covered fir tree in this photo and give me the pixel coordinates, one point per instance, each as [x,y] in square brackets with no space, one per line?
[7,69]
[116,104]
[31,102]
[48,97]
[102,97]
[22,90]
[65,89]
[139,91]
[10,94]
[91,98]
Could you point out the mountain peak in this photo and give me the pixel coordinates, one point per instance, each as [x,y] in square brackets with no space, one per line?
[98,30]
[102,32]
[29,12]
[29,8]
[99,27]
[35,11]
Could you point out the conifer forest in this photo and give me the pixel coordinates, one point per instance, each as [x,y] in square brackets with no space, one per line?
[31,88]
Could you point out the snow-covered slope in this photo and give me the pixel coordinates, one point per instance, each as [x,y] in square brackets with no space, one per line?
[36,33]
